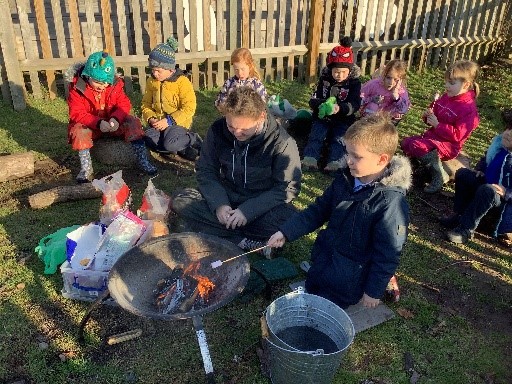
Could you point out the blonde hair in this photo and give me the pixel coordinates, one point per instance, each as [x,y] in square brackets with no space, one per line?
[397,65]
[244,101]
[244,55]
[376,132]
[464,70]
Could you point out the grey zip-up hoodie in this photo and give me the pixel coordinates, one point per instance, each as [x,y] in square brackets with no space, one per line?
[254,175]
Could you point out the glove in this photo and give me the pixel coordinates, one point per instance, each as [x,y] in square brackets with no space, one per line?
[105,126]
[327,107]
[114,124]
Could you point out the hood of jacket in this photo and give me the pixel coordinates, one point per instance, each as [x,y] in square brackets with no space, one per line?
[76,69]
[355,73]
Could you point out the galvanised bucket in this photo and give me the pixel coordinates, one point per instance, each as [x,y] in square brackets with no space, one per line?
[307,338]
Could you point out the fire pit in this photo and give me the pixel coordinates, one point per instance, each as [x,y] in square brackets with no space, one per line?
[135,276]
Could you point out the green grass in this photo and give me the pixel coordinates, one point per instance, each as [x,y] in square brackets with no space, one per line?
[454,336]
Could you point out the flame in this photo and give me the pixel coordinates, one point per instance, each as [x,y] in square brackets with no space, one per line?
[204,285]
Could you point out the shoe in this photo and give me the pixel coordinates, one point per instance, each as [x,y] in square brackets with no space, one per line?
[332,166]
[392,293]
[449,221]
[439,176]
[189,153]
[141,153]
[505,239]
[459,235]
[309,163]
[250,244]
[84,177]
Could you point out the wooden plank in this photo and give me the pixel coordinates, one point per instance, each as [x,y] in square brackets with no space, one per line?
[348,17]
[165,9]
[221,29]
[293,36]
[479,30]
[150,4]
[470,29]
[180,25]
[59,28]
[337,20]
[193,41]
[258,39]
[398,25]
[42,28]
[376,32]
[76,35]
[128,82]
[16,166]
[207,25]
[419,11]
[123,28]
[456,29]
[280,42]
[28,43]
[491,23]
[209,74]
[438,52]
[106,21]
[137,26]
[433,29]
[314,30]
[91,43]
[366,35]
[269,41]
[246,23]
[233,22]
[327,21]
[10,59]
[408,26]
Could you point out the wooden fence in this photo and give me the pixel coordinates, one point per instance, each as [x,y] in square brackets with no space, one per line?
[289,38]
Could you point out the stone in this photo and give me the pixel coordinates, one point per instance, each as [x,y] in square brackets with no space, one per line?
[113,151]
[453,165]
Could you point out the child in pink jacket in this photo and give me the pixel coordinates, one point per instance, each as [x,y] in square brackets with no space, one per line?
[451,120]
[387,92]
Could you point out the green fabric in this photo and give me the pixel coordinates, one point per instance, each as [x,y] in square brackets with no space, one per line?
[327,107]
[52,249]
[100,67]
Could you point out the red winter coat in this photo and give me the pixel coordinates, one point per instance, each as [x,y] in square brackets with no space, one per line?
[458,118]
[82,107]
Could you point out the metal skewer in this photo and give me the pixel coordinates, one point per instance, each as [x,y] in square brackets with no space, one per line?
[218,263]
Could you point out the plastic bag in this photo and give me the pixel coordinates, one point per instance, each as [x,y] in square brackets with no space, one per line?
[52,249]
[281,107]
[82,243]
[116,196]
[121,235]
[155,203]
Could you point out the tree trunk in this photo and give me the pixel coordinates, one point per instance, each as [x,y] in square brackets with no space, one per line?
[63,193]
[16,166]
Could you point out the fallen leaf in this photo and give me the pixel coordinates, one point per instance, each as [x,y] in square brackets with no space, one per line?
[405,313]
[20,286]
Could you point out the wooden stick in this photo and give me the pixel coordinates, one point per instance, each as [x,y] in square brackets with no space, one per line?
[63,193]
[16,165]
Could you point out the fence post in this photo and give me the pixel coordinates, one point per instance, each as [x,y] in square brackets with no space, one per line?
[12,67]
[313,44]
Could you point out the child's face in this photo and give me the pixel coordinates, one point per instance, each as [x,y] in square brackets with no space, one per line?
[98,86]
[506,139]
[244,128]
[391,80]
[340,74]
[363,164]
[161,73]
[456,87]
[242,70]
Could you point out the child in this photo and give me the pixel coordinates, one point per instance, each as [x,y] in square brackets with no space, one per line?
[169,104]
[387,92]
[452,119]
[98,106]
[246,74]
[367,215]
[336,99]
[477,192]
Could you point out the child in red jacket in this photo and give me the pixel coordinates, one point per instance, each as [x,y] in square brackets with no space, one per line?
[98,106]
[452,118]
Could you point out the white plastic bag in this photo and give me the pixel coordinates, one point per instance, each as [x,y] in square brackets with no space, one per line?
[116,196]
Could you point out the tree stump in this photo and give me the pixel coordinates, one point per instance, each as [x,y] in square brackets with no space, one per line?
[453,165]
[113,151]
[16,166]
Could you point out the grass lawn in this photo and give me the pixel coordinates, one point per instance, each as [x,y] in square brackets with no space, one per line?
[454,318]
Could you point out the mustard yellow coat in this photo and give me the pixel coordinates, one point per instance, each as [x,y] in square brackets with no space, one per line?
[174,97]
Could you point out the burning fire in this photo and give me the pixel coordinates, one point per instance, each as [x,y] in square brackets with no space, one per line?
[204,285]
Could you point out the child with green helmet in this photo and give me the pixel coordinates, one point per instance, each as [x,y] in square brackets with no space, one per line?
[98,106]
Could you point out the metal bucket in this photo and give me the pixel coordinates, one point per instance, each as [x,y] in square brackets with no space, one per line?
[307,338]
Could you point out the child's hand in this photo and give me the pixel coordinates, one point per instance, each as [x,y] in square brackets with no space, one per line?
[432,120]
[369,302]
[277,240]
[114,124]
[159,125]
[395,89]
[105,126]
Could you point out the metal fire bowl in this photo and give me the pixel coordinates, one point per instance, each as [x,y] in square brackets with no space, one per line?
[134,277]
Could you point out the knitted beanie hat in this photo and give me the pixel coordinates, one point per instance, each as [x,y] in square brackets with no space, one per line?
[100,67]
[342,55]
[163,55]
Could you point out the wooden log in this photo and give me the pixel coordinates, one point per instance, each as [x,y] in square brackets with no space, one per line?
[63,193]
[16,166]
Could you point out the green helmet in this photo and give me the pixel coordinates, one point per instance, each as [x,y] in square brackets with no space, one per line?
[100,67]
[303,114]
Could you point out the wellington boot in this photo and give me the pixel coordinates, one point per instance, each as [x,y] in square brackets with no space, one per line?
[439,176]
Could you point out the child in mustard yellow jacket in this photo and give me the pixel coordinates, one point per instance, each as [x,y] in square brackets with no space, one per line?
[169,104]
